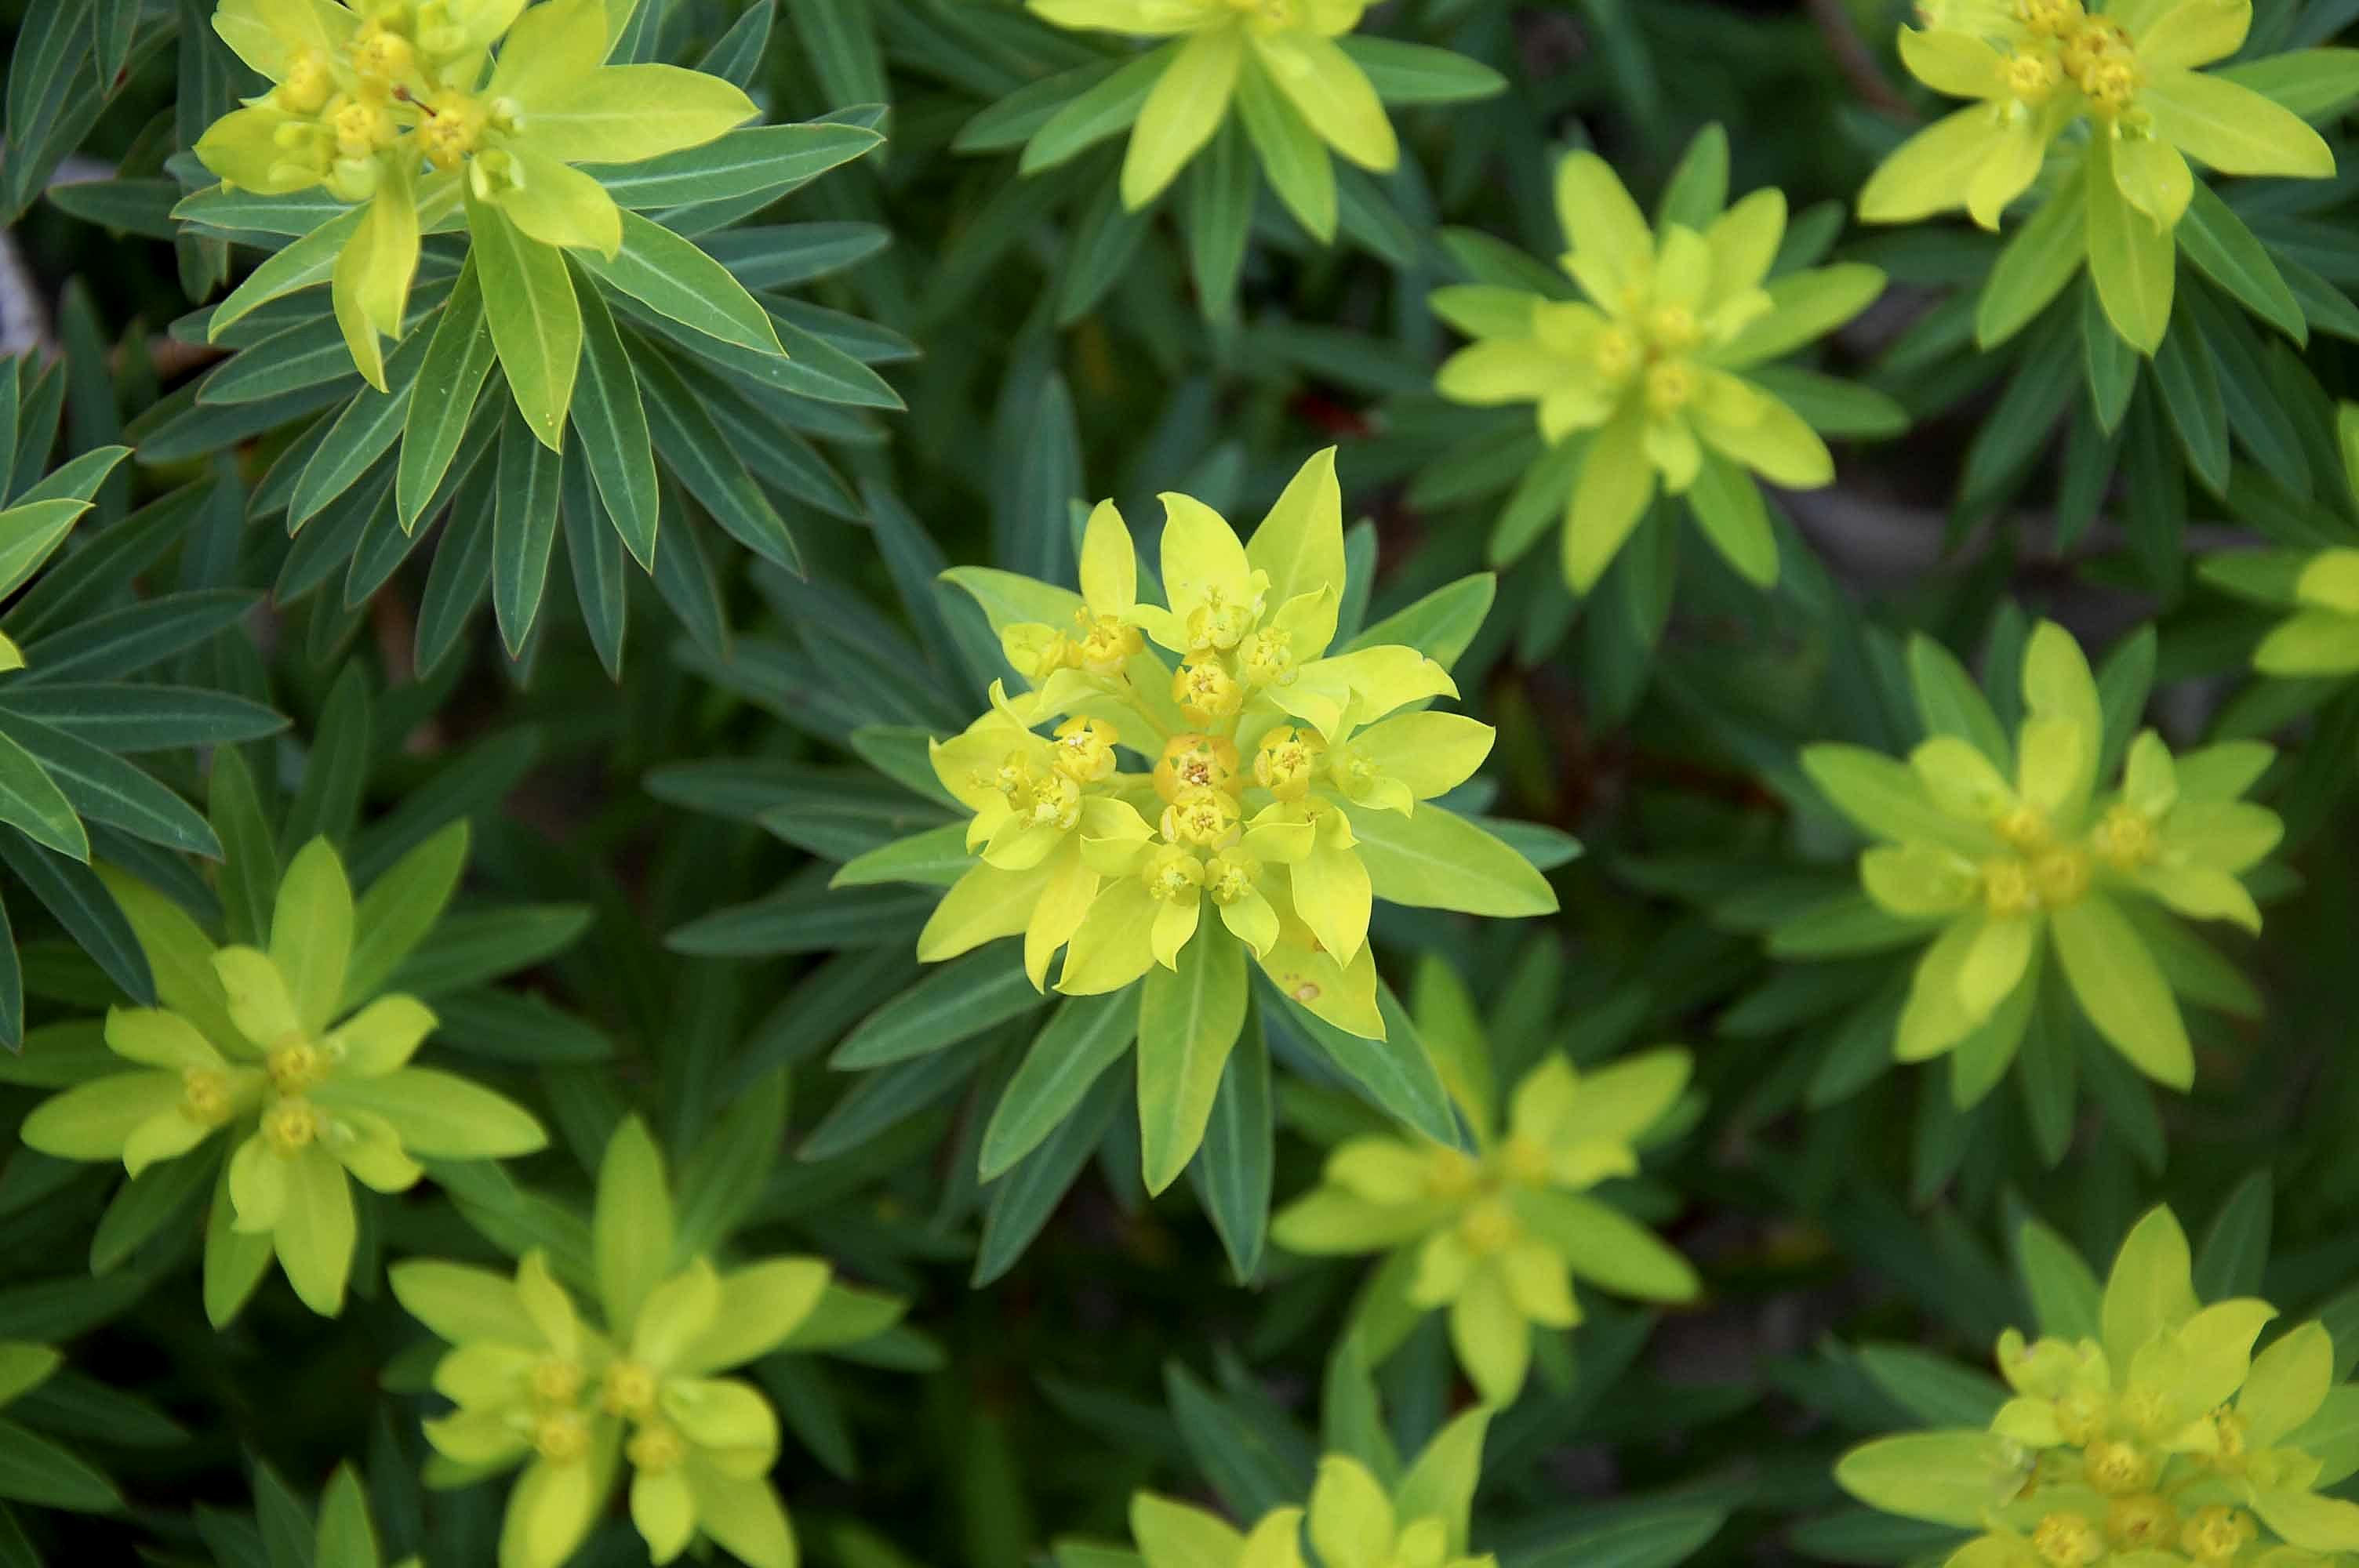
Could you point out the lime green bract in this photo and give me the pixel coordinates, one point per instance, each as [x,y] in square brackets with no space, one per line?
[2159,1441]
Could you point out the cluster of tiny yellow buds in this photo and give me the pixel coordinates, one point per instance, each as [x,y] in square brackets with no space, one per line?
[1287,762]
[556,1380]
[1525,1161]
[1201,818]
[1670,386]
[561,1437]
[1206,691]
[627,1388]
[1615,354]
[2061,876]
[1487,1226]
[1190,761]
[1673,328]
[2033,76]
[381,56]
[2048,18]
[1105,644]
[657,1449]
[204,1095]
[1229,875]
[451,130]
[307,86]
[1085,750]
[1053,801]
[2118,1468]
[361,129]
[1450,1173]
[1220,622]
[2067,1540]
[2099,57]
[2025,827]
[1266,657]
[1173,875]
[2008,887]
[2215,1534]
[296,1066]
[290,1126]
[2139,1522]
[2124,837]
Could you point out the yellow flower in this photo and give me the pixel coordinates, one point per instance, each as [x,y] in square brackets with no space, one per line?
[1280,56]
[2130,73]
[394,108]
[1648,366]
[1247,765]
[538,1385]
[2161,1438]
[1497,1236]
[315,1091]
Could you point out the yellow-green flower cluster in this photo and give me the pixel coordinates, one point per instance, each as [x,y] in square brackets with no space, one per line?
[2013,853]
[1276,61]
[2161,1442]
[1352,1519]
[403,105]
[574,1401]
[307,1073]
[1280,785]
[1257,796]
[1646,371]
[2124,79]
[1497,1236]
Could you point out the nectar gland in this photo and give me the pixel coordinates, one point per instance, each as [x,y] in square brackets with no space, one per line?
[1190,761]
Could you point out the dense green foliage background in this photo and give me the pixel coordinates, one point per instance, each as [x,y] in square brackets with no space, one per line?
[668,780]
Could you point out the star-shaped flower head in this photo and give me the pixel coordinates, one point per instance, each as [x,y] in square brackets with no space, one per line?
[2008,853]
[404,106]
[1351,1518]
[2130,72]
[1645,371]
[290,1053]
[2145,1431]
[1257,798]
[1276,59]
[576,1398]
[1499,1234]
